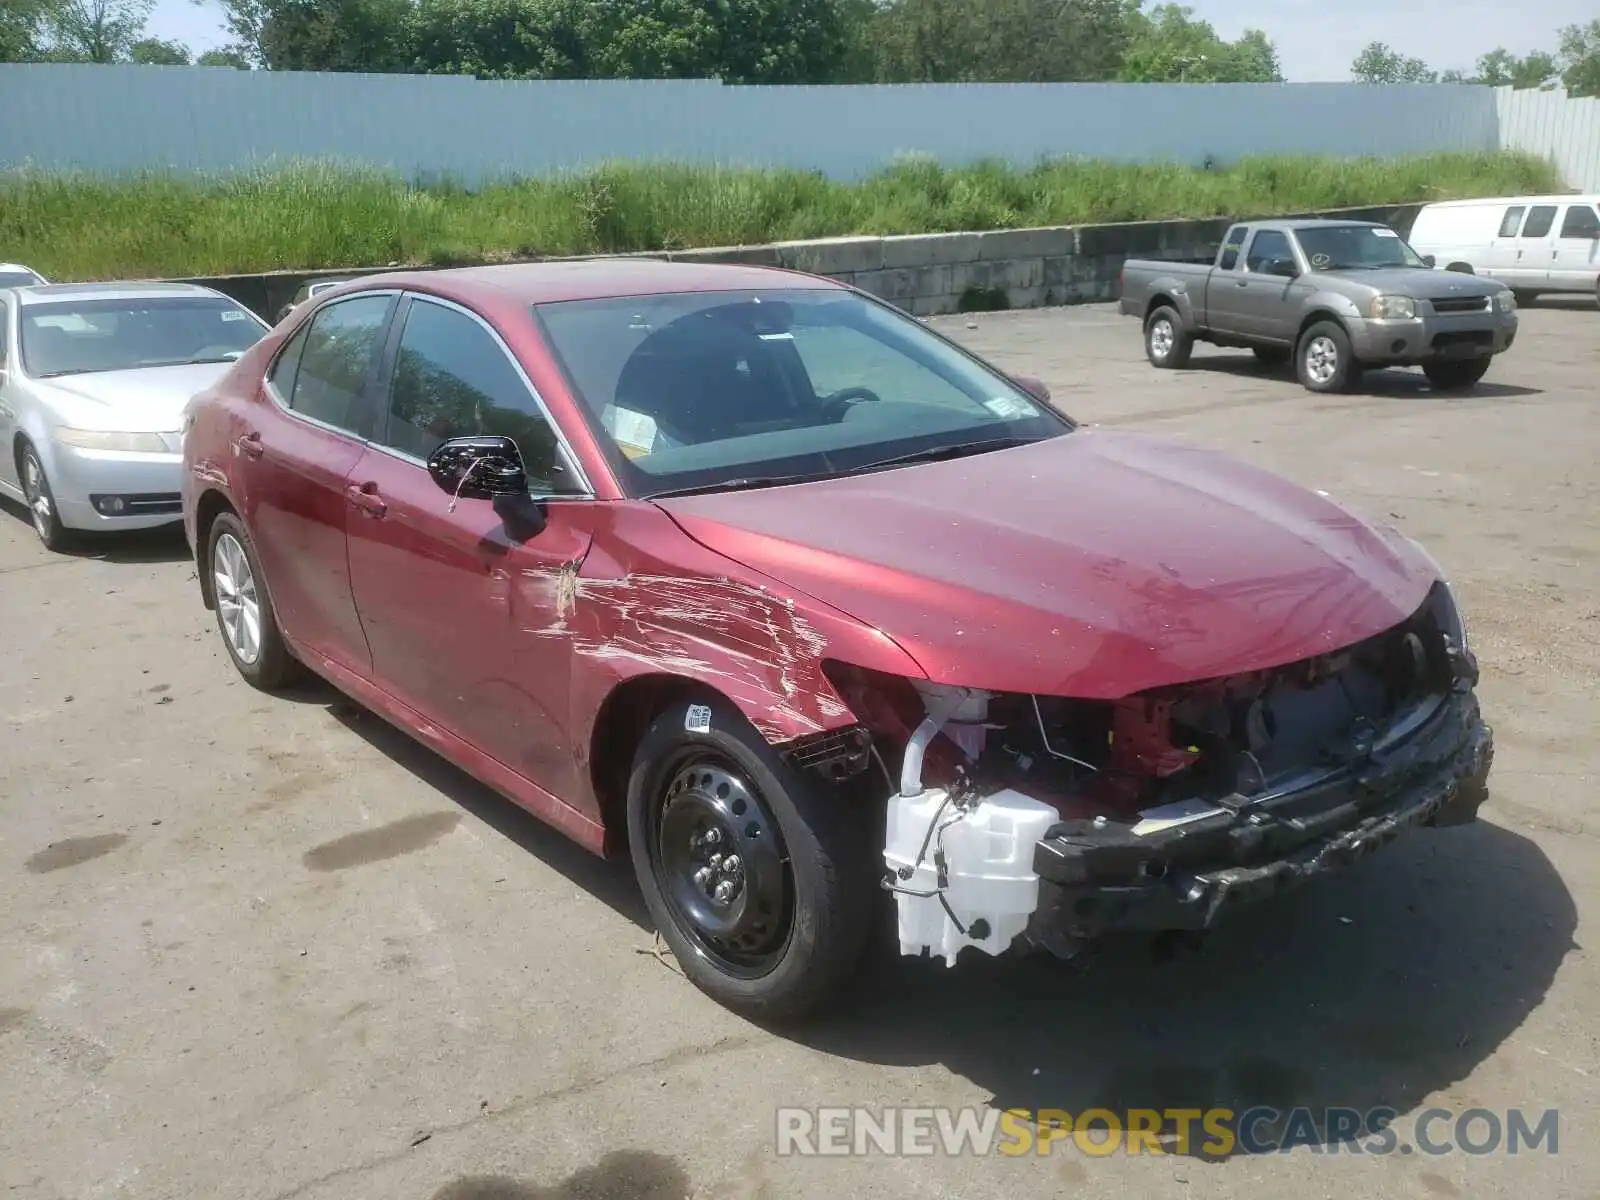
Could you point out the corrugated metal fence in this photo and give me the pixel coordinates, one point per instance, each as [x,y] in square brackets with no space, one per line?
[117,119]
[1556,126]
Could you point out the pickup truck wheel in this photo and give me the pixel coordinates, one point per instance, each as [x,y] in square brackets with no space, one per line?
[1271,356]
[759,877]
[1166,344]
[1324,361]
[1449,376]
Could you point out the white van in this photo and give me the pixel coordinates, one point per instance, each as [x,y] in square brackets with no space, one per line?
[1532,243]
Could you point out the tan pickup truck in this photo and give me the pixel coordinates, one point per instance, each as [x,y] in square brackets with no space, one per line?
[1336,296]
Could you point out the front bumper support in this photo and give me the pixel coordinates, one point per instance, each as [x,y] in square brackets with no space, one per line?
[1100,879]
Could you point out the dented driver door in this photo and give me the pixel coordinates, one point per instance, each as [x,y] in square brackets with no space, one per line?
[462,612]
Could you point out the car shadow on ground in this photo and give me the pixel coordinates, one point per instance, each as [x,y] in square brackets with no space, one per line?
[608,881]
[1392,381]
[1371,989]
[160,545]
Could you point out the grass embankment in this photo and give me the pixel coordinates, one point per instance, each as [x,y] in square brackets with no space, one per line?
[316,215]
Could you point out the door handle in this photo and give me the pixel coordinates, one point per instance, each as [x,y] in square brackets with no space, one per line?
[249,445]
[365,497]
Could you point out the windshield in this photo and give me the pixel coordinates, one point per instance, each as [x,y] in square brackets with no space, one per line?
[733,389]
[1355,247]
[11,279]
[74,337]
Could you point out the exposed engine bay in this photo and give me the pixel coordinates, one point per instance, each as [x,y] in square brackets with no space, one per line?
[1060,818]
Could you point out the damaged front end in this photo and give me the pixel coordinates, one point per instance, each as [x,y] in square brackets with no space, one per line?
[1060,820]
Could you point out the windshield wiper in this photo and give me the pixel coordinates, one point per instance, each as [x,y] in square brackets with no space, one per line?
[735,485]
[64,371]
[959,450]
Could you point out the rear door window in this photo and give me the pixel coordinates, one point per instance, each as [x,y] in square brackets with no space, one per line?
[335,364]
[1581,221]
[1512,221]
[1540,218]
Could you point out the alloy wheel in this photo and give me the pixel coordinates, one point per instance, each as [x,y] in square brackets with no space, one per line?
[238,603]
[1322,359]
[37,493]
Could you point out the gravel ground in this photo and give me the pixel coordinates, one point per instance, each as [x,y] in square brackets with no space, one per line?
[262,947]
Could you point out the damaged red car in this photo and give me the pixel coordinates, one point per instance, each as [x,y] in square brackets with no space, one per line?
[761,582]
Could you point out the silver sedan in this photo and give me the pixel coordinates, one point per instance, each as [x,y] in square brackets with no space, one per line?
[93,382]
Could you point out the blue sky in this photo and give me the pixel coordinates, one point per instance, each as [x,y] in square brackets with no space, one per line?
[1316,39]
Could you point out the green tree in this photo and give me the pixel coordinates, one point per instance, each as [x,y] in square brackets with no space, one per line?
[223,58]
[1578,56]
[1168,45]
[157,52]
[96,31]
[1501,68]
[1034,41]
[21,30]
[322,35]
[1379,64]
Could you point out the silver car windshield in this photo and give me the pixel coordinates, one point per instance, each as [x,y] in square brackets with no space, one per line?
[1355,248]
[75,337]
[711,390]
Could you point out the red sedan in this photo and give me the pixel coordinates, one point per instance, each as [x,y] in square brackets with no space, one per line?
[764,583]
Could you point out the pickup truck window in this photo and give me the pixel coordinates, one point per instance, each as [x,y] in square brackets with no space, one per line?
[1540,218]
[1267,245]
[1355,248]
[1512,220]
[1232,246]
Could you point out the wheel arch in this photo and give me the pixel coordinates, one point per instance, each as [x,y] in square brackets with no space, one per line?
[1162,299]
[211,504]
[1316,317]
[619,726]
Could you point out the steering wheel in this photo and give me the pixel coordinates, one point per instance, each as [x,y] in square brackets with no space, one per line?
[835,406]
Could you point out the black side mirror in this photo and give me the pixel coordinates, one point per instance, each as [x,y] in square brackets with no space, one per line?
[1284,268]
[1034,387]
[478,468]
[1429,261]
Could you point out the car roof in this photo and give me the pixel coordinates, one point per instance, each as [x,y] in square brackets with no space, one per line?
[48,292]
[5,266]
[595,279]
[1320,223]
[1496,201]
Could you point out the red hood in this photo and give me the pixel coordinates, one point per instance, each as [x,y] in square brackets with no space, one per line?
[1095,564]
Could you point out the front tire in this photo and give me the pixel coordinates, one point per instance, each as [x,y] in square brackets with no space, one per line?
[245,617]
[759,878]
[41,502]
[1166,344]
[1324,361]
[1453,375]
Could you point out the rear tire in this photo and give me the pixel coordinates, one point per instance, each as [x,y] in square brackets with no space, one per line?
[1461,268]
[1271,356]
[41,502]
[1166,344]
[245,617]
[1454,375]
[777,935]
[1324,361]
[1523,297]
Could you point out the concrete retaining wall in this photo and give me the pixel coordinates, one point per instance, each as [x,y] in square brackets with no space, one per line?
[927,274]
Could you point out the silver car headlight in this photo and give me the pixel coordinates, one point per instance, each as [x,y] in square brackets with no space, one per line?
[107,439]
[1394,308]
[1506,301]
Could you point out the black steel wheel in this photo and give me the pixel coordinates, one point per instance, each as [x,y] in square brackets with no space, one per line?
[723,866]
[761,878]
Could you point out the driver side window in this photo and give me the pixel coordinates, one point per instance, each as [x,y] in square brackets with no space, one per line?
[1268,246]
[452,378]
